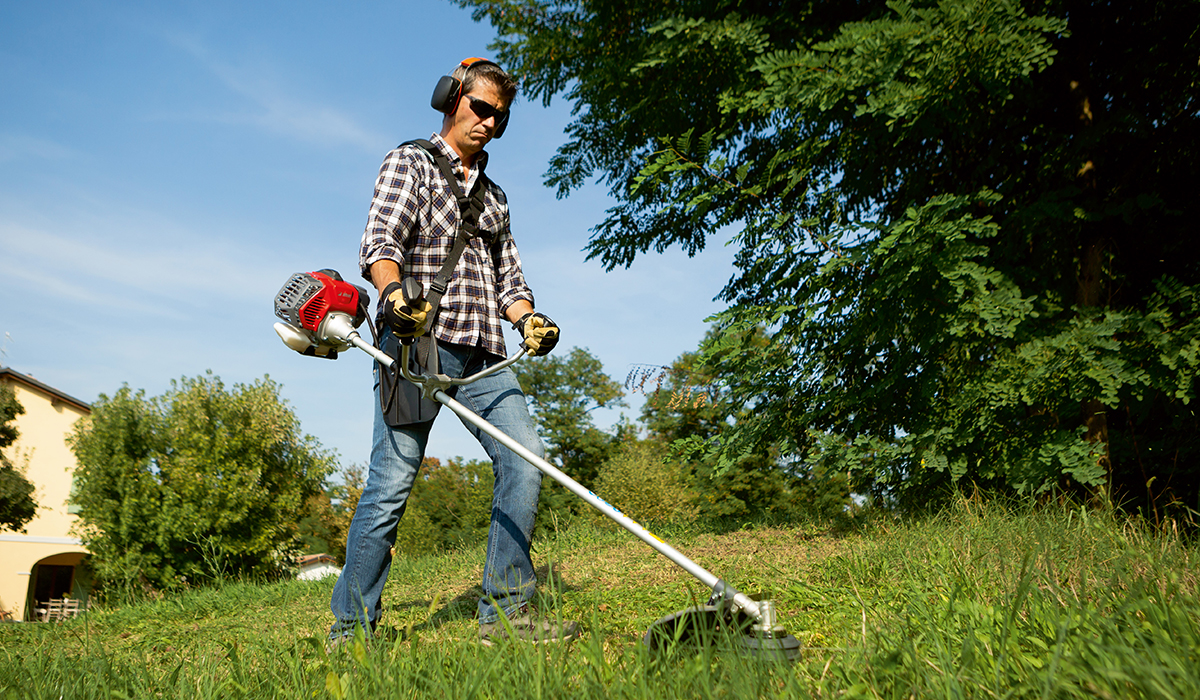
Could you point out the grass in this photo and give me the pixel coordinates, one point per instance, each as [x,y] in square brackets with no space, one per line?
[981,601]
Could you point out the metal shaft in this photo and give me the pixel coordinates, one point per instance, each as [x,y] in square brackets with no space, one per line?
[710,580]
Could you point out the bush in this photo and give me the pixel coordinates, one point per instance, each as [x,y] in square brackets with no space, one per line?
[198,483]
[643,484]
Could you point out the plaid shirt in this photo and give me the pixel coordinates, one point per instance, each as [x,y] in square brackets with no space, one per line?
[414,220]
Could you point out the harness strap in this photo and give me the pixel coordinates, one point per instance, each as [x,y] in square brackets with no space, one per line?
[470,208]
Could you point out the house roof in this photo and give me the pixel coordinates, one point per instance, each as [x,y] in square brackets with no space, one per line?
[55,394]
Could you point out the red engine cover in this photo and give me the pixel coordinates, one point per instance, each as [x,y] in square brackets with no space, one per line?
[335,295]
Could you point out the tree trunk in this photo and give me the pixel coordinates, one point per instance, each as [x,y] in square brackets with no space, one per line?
[1090,292]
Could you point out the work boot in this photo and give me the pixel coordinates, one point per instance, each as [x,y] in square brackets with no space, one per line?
[332,644]
[528,625]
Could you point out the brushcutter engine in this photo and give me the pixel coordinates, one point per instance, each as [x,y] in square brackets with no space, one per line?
[320,311]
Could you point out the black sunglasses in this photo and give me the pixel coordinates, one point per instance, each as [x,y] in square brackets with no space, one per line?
[485,110]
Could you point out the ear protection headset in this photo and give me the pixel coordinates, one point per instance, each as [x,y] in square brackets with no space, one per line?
[449,91]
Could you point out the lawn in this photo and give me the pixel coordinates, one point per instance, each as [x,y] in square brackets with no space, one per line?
[980,601]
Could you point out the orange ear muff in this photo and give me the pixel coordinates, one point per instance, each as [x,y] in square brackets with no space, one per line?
[448,91]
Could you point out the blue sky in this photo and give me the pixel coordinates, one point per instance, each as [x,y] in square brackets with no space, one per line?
[164,167]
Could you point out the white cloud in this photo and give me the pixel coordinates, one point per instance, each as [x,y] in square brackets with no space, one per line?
[272,108]
[128,265]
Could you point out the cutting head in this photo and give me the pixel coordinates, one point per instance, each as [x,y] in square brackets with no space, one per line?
[716,626]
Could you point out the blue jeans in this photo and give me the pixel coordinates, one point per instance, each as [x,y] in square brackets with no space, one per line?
[396,454]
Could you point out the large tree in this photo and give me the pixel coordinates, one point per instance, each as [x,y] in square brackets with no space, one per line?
[17,505]
[965,223]
[197,483]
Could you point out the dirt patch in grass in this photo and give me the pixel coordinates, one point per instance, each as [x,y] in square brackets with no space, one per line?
[786,548]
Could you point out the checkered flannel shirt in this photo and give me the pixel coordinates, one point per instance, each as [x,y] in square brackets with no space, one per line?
[413,221]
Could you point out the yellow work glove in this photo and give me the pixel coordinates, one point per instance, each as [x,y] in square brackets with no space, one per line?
[406,317]
[541,334]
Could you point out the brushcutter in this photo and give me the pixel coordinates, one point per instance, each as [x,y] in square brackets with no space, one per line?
[320,312]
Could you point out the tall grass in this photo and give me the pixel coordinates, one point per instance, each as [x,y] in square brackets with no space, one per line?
[982,601]
[985,601]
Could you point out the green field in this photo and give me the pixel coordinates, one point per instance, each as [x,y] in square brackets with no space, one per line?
[982,601]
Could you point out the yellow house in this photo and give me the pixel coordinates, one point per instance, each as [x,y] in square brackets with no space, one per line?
[42,563]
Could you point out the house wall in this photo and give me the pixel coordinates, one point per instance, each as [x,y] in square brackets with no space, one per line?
[49,464]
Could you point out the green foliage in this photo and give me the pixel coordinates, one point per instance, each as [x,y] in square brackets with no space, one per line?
[563,390]
[327,515]
[417,535]
[10,408]
[450,506]
[194,484]
[690,407]
[17,505]
[314,528]
[645,484]
[963,223]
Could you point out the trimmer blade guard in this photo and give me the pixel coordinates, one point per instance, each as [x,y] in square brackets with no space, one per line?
[700,626]
[711,626]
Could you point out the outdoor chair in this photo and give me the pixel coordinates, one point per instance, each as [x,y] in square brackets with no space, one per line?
[59,609]
[53,610]
[70,608]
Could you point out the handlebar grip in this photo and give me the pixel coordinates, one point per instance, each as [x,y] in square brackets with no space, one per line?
[412,289]
[413,292]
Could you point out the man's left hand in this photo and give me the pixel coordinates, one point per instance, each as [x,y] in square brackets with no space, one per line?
[541,334]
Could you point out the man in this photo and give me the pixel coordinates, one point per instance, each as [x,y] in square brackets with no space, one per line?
[411,229]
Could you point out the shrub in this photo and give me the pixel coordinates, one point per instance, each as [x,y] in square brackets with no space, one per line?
[642,483]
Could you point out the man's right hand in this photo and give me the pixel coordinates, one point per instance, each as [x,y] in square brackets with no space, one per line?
[406,318]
